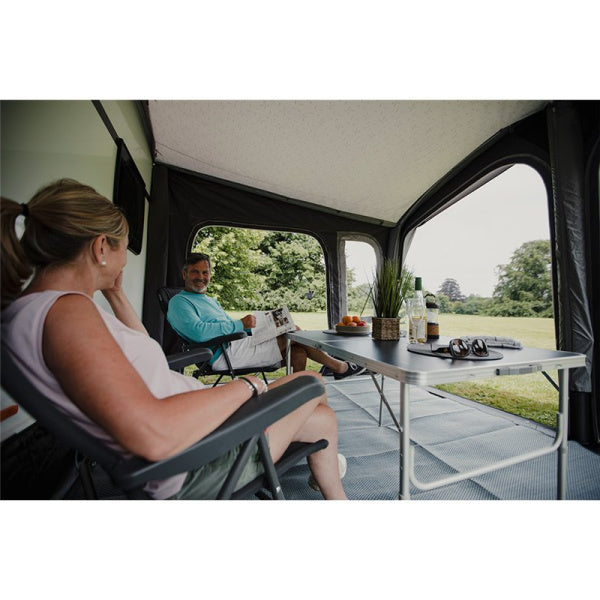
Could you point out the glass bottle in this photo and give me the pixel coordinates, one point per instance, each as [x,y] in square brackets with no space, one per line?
[433,324]
[417,315]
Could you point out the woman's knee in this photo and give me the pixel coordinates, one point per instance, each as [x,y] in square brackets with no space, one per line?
[326,417]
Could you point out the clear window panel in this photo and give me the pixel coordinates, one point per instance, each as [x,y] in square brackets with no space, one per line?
[487,259]
[361,263]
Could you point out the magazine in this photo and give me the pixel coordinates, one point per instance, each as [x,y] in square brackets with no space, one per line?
[270,324]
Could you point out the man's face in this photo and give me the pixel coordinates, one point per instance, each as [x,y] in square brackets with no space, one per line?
[196,277]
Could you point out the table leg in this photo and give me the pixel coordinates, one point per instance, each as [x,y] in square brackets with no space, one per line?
[383,400]
[404,434]
[563,413]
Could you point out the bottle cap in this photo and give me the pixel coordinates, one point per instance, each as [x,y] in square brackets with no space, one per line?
[418,283]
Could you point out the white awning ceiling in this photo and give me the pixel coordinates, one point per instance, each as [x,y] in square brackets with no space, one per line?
[370,158]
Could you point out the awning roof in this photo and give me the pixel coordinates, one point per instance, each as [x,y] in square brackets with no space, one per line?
[369,158]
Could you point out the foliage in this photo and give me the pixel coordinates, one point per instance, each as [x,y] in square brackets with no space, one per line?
[391,285]
[524,287]
[472,305]
[451,290]
[444,303]
[525,284]
[256,270]
[235,260]
[292,266]
[359,297]
[259,270]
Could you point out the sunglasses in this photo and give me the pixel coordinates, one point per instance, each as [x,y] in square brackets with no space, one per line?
[458,348]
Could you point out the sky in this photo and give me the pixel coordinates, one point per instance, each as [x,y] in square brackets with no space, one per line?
[470,239]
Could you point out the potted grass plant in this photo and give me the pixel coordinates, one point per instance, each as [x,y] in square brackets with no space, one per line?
[391,285]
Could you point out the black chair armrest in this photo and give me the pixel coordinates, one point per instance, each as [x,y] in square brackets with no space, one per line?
[193,356]
[217,341]
[252,417]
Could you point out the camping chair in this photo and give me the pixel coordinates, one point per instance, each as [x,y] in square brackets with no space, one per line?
[245,427]
[164,296]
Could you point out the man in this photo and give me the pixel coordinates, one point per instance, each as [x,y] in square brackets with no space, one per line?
[197,317]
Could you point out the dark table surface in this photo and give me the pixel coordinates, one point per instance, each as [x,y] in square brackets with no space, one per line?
[392,359]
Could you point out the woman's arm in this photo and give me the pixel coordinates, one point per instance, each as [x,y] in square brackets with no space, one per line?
[96,375]
[121,306]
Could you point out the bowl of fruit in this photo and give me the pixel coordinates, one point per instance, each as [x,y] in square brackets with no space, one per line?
[353,326]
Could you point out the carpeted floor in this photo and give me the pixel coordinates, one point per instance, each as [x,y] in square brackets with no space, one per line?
[449,434]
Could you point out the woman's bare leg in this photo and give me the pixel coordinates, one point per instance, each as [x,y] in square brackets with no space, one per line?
[308,423]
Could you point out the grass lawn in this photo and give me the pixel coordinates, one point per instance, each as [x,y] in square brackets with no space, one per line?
[529,396]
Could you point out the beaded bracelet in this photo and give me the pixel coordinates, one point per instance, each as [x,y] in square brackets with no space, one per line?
[252,386]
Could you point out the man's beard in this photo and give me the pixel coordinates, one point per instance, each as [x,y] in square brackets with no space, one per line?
[199,288]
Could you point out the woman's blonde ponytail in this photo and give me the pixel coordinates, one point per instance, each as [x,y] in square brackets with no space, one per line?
[60,219]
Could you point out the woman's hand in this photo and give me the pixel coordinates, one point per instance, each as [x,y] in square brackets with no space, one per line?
[117,286]
[121,306]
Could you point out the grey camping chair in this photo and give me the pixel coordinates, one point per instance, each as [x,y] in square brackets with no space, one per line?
[164,296]
[245,427]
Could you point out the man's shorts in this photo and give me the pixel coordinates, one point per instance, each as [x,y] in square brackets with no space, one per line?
[243,354]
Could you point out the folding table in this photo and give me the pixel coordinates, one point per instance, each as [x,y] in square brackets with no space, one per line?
[392,359]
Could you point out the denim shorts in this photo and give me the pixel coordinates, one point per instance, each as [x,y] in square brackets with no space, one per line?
[205,482]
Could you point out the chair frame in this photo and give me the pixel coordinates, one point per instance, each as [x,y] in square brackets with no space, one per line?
[245,427]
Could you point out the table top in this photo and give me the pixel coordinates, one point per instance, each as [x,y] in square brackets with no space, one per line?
[392,359]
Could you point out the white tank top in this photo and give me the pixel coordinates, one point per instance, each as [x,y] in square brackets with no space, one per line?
[22,330]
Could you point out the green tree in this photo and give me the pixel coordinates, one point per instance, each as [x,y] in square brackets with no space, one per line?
[256,270]
[292,268]
[444,303]
[359,297]
[451,290]
[524,285]
[473,305]
[235,260]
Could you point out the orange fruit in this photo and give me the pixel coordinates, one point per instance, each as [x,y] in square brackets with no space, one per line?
[352,324]
[356,319]
[346,319]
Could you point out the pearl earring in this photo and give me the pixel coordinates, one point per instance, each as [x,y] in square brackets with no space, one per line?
[103,263]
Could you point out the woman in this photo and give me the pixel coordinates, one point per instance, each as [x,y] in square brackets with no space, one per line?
[104,371]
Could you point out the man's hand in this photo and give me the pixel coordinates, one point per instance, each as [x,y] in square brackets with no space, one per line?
[249,321]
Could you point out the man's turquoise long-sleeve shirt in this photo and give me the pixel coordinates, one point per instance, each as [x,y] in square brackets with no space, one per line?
[198,318]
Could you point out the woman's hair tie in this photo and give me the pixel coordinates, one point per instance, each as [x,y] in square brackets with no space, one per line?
[25,210]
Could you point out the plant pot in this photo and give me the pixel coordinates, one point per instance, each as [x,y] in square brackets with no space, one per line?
[386,328]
